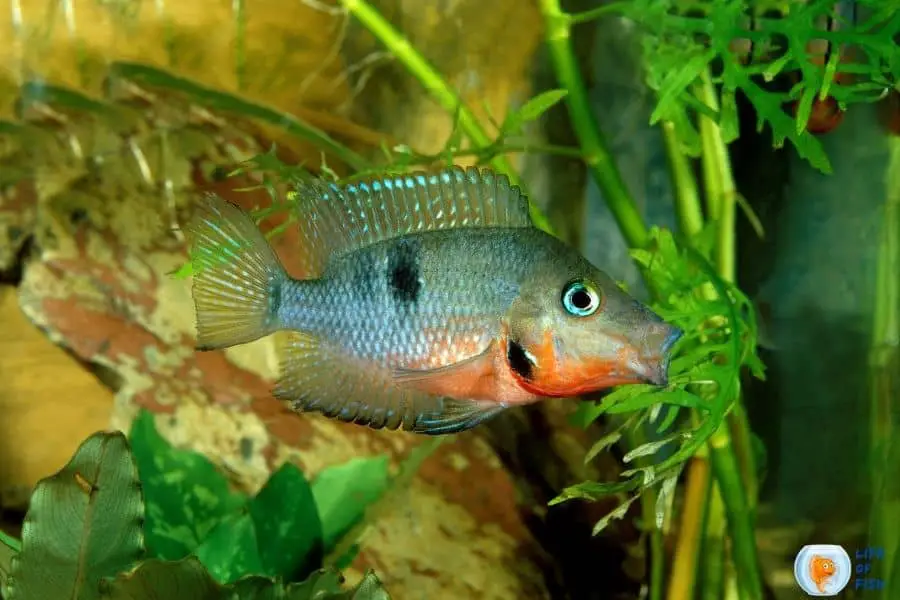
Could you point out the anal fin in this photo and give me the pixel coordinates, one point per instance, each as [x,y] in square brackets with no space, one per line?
[317,377]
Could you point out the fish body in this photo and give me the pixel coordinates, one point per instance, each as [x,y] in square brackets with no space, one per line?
[821,570]
[434,303]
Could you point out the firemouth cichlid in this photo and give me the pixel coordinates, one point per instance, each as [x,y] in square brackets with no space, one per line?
[433,303]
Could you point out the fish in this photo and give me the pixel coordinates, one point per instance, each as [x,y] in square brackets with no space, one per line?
[430,302]
[821,570]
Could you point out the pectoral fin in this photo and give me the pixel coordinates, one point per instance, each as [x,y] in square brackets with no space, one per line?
[469,378]
[317,377]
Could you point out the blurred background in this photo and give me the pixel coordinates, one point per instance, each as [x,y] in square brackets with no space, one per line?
[116,114]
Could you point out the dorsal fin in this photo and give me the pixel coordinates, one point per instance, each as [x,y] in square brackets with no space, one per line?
[335,219]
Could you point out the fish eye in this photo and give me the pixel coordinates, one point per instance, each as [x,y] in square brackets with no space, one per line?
[579,298]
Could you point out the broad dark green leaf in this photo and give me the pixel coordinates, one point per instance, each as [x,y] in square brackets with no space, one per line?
[156,579]
[325,584]
[287,524]
[187,579]
[231,550]
[83,524]
[346,559]
[343,492]
[185,495]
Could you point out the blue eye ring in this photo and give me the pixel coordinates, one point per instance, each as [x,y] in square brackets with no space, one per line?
[580,298]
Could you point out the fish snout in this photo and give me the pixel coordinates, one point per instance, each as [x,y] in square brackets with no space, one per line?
[656,353]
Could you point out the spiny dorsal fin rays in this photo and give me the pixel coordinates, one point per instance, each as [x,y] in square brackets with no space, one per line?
[335,220]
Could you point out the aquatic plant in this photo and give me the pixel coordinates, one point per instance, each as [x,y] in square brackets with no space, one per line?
[691,64]
[696,68]
[142,520]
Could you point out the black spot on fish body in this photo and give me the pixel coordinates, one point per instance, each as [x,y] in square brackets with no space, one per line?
[519,361]
[275,297]
[403,275]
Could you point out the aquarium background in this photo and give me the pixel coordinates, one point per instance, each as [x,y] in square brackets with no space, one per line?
[116,115]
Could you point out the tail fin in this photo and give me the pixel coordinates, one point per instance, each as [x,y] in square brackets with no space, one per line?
[238,279]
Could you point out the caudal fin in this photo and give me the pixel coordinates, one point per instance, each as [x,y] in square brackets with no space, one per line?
[237,276]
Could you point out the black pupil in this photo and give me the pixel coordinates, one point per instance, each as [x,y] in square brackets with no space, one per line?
[581,299]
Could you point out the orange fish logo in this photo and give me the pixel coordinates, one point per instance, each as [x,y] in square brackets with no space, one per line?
[821,570]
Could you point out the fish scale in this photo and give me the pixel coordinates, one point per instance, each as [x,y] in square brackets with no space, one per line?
[433,303]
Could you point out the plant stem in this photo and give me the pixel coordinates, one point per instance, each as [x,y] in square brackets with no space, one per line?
[687,199]
[714,547]
[729,488]
[435,84]
[596,13]
[721,192]
[598,158]
[884,383]
[740,522]
[684,564]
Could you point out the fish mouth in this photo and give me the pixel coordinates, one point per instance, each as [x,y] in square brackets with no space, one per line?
[655,369]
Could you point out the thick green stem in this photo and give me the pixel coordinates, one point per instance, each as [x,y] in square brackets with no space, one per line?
[557,25]
[710,138]
[740,520]
[720,189]
[687,198]
[884,384]
[714,547]
[434,83]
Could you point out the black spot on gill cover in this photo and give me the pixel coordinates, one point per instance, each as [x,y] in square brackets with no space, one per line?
[519,361]
[403,272]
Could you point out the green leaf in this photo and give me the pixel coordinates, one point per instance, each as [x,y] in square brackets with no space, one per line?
[287,524]
[346,559]
[651,447]
[343,492]
[675,396]
[593,490]
[602,444]
[9,548]
[83,524]
[187,579]
[156,579]
[325,585]
[804,108]
[617,513]
[584,414]
[185,495]
[532,109]
[671,415]
[231,550]
[728,117]
[675,81]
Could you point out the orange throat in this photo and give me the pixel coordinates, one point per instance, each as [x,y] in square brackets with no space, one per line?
[554,379]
